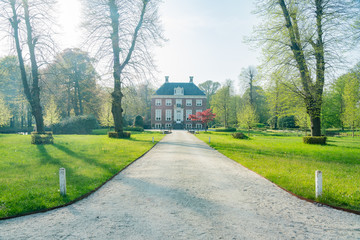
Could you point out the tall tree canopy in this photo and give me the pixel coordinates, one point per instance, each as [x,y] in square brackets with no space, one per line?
[126,30]
[302,39]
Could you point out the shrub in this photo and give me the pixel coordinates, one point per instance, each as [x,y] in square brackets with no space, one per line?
[139,121]
[239,135]
[287,122]
[119,135]
[76,125]
[45,138]
[134,129]
[231,129]
[314,140]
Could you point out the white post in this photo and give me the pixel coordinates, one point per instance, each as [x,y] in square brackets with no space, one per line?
[209,139]
[153,139]
[62,178]
[318,183]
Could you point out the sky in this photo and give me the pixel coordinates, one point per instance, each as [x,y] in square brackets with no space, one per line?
[205,38]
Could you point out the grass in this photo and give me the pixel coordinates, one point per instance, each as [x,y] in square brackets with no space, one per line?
[29,174]
[286,161]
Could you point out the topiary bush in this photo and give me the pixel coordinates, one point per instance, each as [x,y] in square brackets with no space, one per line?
[119,135]
[315,140]
[76,125]
[134,129]
[239,135]
[139,121]
[44,138]
[230,129]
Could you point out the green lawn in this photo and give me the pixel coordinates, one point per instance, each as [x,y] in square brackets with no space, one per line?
[286,161]
[29,174]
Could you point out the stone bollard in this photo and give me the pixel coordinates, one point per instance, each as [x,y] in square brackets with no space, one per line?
[62,178]
[209,139]
[318,183]
[153,139]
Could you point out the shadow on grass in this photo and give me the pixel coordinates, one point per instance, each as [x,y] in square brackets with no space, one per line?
[83,157]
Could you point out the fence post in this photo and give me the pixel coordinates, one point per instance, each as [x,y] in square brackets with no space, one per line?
[209,140]
[153,139]
[62,178]
[318,183]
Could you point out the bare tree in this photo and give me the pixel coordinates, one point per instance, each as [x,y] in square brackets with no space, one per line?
[247,77]
[304,40]
[122,32]
[30,25]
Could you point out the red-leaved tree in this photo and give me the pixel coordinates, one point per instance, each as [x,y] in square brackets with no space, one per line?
[203,117]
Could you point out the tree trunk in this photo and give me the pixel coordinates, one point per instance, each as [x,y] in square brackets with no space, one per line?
[315,126]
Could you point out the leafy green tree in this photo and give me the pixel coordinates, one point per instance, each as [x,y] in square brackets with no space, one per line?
[105,116]
[351,115]
[301,39]
[5,113]
[209,88]
[247,117]
[52,115]
[221,103]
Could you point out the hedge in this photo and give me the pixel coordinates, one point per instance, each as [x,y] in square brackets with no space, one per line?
[315,140]
[119,135]
[231,129]
[44,138]
[76,125]
[239,135]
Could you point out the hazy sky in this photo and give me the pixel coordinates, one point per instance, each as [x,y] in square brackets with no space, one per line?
[205,38]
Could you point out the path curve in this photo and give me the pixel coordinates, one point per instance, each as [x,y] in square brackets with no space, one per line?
[183,189]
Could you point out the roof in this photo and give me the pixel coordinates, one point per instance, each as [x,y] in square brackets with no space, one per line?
[189,89]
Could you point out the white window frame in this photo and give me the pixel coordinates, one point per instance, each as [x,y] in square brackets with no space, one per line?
[157,113]
[189,125]
[179,102]
[157,125]
[199,126]
[168,102]
[157,102]
[188,102]
[168,125]
[198,110]
[188,112]
[168,114]
[199,102]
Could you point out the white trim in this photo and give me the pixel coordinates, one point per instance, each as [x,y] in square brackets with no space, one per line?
[184,96]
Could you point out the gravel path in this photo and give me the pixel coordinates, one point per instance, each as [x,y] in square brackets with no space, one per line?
[182,189]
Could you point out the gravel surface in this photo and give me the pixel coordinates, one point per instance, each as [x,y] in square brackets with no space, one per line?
[183,189]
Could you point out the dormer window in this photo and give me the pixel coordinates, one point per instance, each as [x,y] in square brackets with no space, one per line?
[179,91]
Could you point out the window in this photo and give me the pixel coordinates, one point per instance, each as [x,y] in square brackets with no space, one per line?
[188,112]
[188,102]
[178,116]
[198,110]
[168,115]
[168,102]
[168,125]
[198,102]
[199,126]
[157,102]
[189,125]
[179,91]
[157,125]
[179,102]
[158,114]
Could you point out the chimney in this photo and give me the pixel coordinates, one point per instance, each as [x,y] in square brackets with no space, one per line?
[166,79]
[191,79]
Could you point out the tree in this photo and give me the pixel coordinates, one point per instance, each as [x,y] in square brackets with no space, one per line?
[139,121]
[52,115]
[35,30]
[302,39]
[209,88]
[204,117]
[5,113]
[126,29]
[247,117]
[247,77]
[351,115]
[105,116]
[72,79]
[221,105]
